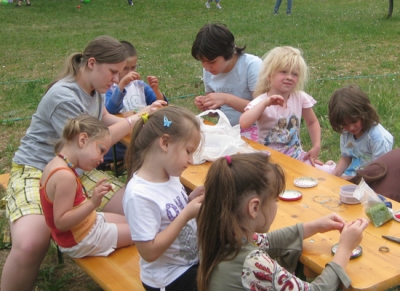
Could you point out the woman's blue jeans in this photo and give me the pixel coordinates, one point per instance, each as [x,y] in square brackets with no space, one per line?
[278,4]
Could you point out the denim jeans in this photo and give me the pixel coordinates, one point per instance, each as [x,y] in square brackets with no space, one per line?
[278,4]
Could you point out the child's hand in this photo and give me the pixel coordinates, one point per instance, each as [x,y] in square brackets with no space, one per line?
[213,100]
[276,100]
[352,233]
[153,82]
[192,209]
[330,222]
[153,107]
[99,191]
[131,76]
[198,101]
[313,154]
[198,191]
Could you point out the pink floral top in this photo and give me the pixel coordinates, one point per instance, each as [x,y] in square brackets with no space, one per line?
[260,272]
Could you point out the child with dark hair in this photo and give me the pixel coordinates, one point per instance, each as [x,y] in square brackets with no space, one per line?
[130,94]
[229,74]
[362,138]
[236,250]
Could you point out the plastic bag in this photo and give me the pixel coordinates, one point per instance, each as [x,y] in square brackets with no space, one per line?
[221,139]
[374,207]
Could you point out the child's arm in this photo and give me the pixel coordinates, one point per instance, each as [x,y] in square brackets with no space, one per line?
[114,100]
[216,100]
[251,115]
[314,130]
[154,84]
[327,223]
[152,250]
[65,215]
[342,165]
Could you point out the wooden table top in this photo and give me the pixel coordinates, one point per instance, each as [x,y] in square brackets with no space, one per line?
[373,270]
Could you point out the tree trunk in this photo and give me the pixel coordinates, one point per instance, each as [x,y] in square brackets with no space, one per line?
[390,8]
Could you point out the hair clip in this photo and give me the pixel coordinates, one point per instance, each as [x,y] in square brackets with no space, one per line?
[167,122]
[145,117]
[229,160]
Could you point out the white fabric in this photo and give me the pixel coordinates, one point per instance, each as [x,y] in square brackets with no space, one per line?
[371,145]
[149,209]
[135,98]
[240,82]
[101,240]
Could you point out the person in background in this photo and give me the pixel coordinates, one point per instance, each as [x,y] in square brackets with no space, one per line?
[229,74]
[216,4]
[79,89]
[288,8]
[236,250]
[130,94]
[19,3]
[362,138]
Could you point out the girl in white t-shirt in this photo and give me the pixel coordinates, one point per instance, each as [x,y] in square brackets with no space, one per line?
[157,208]
[279,89]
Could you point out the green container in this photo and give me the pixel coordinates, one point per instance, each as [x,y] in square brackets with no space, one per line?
[4,2]
[86,1]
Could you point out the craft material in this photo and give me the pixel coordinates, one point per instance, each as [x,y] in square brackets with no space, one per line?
[396,215]
[392,238]
[290,195]
[305,182]
[378,214]
[354,253]
[346,194]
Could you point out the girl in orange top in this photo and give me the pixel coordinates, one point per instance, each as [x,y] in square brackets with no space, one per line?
[69,212]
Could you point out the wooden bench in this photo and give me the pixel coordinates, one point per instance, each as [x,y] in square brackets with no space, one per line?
[118,271]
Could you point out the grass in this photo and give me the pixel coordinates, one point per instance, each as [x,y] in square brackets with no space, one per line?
[344,42]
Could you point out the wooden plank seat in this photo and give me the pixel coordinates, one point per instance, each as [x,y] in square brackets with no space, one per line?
[118,271]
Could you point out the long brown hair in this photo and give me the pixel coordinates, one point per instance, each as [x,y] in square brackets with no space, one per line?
[184,125]
[105,49]
[228,183]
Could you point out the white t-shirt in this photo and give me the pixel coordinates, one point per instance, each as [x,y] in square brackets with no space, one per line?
[149,208]
[371,145]
[240,81]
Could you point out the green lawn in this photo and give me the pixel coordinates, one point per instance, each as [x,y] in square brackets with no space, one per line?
[343,42]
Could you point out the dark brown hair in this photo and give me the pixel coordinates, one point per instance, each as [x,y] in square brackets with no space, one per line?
[129,48]
[350,104]
[184,125]
[219,221]
[371,174]
[214,40]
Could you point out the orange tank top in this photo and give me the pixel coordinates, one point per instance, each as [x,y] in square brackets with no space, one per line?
[72,237]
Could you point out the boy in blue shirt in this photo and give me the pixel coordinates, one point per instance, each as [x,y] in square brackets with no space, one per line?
[130,94]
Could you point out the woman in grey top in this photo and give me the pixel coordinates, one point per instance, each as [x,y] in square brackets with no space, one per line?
[78,89]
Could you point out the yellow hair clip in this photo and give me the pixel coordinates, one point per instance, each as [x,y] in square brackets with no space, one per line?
[145,117]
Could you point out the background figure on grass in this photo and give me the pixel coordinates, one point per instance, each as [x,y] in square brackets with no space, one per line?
[238,253]
[362,138]
[130,94]
[229,74]
[382,175]
[288,8]
[158,210]
[19,3]
[279,89]
[216,4]
[75,226]
[77,90]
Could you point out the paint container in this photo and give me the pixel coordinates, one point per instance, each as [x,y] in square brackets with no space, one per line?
[346,194]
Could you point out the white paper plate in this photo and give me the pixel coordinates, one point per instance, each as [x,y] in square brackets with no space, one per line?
[290,195]
[305,182]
